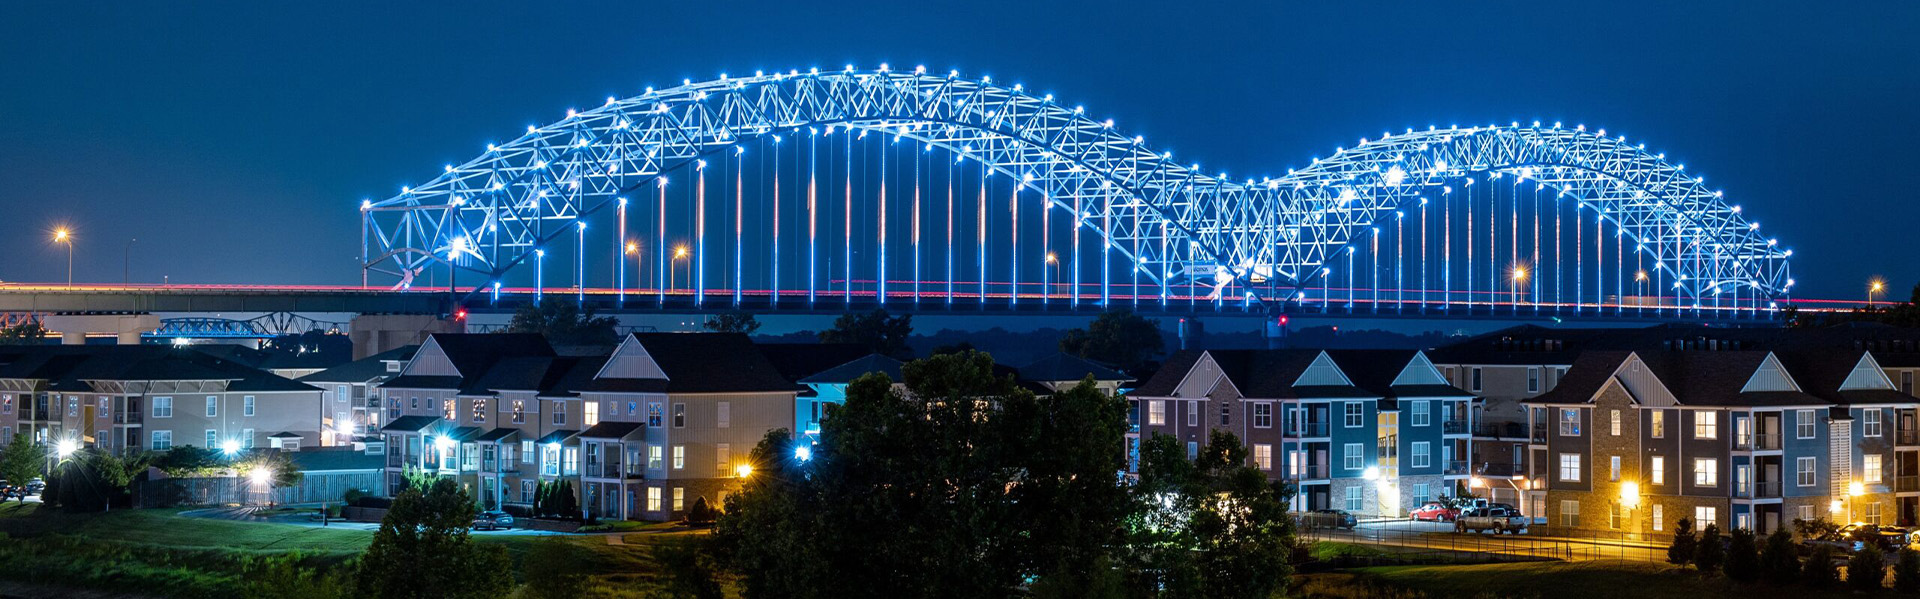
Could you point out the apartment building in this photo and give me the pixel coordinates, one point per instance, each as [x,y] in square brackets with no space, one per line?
[131,398]
[1371,432]
[1740,438]
[351,390]
[435,395]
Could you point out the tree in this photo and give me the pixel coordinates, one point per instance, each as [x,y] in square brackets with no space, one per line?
[422,550]
[689,571]
[282,471]
[733,322]
[880,332]
[1818,572]
[1906,571]
[553,571]
[1117,337]
[564,324]
[1708,555]
[1867,569]
[287,576]
[1680,552]
[1743,556]
[1780,559]
[25,333]
[1212,527]
[961,463]
[556,500]
[22,460]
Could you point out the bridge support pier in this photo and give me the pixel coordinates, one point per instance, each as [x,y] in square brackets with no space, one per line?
[74,328]
[375,333]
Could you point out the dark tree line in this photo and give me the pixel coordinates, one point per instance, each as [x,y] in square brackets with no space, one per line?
[964,484]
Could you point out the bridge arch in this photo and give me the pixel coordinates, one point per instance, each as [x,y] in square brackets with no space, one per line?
[1266,240]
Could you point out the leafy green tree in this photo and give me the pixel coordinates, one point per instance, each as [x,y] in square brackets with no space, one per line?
[1780,559]
[188,460]
[1906,571]
[1708,555]
[962,463]
[422,550]
[1743,556]
[1818,572]
[1117,337]
[732,322]
[22,460]
[1212,527]
[1680,552]
[553,570]
[564,323]
[26,333]
[700,512]
[879,331]
[1867,569]
[282,471]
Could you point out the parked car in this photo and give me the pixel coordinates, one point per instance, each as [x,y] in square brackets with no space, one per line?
[493,520]
[35,486]
[1434,511]
[1329,519]
[1496,519]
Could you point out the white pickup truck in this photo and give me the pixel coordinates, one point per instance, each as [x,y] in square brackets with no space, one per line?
[1496,519]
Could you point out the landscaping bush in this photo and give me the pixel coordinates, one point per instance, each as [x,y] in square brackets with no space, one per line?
[372,502]
[1780,559]
[1708,555]
[1680,552]
[1819,572]
[1743,557]
[1906,571]
[700,513]
[518,511]
[1867,570]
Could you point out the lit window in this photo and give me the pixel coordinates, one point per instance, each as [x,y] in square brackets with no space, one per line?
[1704,515]
[1569,422]
[1570,466]
[1614,424]
[1157,412]
[1705,426]
[655,457]
[1870,470]
[1659,418]
[1570,513]
[1659,518]
[1659,470]
[679,498]
[213,406]
[1706,472]
[679,457]
[653,499]
[1263,456]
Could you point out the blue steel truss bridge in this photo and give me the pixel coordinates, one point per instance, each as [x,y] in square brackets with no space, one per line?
[820,191]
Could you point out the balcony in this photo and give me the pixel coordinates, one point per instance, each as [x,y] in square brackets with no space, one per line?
[1455,467]
[1453,427]
[1767,489]
[1500,430]
[128,417]
[1757,442]
[395,460]
[1502,469]
[1539,433]
[1906,484]
[1307,429]
[486,465]
[1307,471]
[1907,437]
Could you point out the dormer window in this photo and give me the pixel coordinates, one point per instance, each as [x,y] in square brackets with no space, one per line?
[393,367]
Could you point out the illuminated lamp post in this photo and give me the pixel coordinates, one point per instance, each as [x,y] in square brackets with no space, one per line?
[62,236]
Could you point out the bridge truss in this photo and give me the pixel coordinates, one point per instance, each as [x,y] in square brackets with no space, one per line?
[891,187]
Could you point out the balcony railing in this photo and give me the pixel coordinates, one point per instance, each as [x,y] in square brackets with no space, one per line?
[1907,437]
[1539,433]
[1453,427]
[1906,484]
[127,417]
[1757,442]
[1307,429]
[1308,471]
[1455,467]
[486,465]
[1500,430]
[395,460]
[1766,489]
[1502,469]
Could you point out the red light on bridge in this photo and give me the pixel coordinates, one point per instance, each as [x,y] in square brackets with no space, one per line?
[460,314]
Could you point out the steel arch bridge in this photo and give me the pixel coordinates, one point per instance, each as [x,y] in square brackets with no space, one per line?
[869,166]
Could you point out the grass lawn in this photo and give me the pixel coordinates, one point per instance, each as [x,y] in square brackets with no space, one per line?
[1549,580]
[1331,550]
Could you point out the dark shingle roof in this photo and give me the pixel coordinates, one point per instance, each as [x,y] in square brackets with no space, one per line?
[557,436]
[1590,371]
[797,361]
[711,363]
[409,424]
[496,435]
[610,430]
[369,369]
[1258,373]
[68,367]
[845,373]
[334,458]
[1063,367]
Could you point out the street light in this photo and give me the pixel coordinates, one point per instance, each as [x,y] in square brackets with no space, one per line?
[230,447]
[62,236]
[1519,278]
[743,470]
[1874,287]
[1054,261]
[673,270]
[633,249]
[66,447]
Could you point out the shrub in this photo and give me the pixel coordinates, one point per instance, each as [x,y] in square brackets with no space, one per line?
[1906,571]
[1867,570]
[1743,557]
[1780,559]
[1680,553]
[353,495]
[1708,556]
[1818,572]
[700,513]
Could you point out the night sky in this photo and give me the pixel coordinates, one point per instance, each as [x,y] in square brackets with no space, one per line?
[236,140]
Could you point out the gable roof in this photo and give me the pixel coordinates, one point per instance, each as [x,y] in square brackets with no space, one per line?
[1376,371]
[472,355]
[1823,373]
[796,361]
[1717,378]
[70,367]
[1256,373]
[700,363]
[1588,374]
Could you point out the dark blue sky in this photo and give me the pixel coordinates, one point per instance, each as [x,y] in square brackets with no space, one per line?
[236,139]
